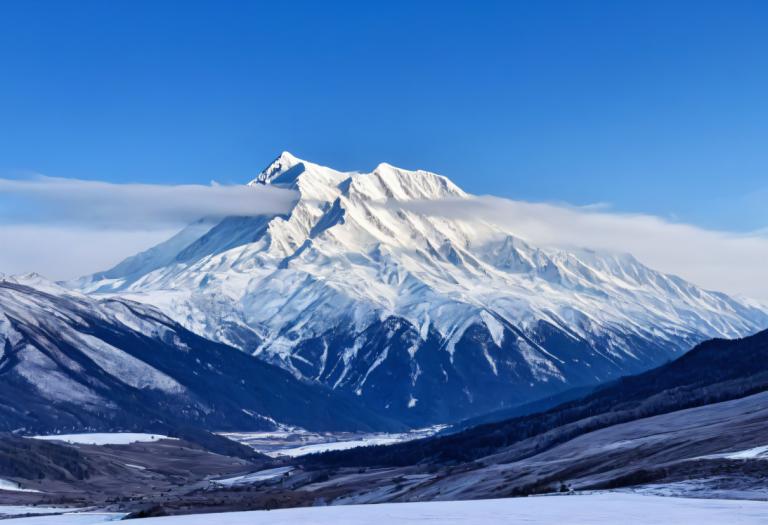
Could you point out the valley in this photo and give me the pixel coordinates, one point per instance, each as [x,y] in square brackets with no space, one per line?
[679,430]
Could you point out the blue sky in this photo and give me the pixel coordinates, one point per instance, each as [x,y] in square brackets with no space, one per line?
[655,107]
[654,111]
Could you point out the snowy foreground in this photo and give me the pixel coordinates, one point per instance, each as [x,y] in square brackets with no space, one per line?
[12,486]
[602,508]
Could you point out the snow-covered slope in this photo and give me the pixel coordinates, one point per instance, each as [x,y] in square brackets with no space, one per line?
[426,318]
[593,509]
[72,363]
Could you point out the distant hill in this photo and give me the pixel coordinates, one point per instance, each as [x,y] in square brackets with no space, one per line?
[714,371]
[69,363]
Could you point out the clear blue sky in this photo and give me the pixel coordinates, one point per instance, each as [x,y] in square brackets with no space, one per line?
[658,107]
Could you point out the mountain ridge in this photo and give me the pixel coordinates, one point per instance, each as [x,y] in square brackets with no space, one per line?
[72,363]
[424,317]
[713,372]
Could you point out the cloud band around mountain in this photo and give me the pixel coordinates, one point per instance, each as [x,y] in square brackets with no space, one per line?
[90,225]
[64,228]
[98,204]
[718,260]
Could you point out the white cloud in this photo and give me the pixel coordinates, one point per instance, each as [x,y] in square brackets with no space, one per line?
[718,260]
[67,252]
[64,228]
[132,206]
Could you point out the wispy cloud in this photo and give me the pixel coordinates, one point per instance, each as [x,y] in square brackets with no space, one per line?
[64,228]
[66,252]
[719,260]
[97,204]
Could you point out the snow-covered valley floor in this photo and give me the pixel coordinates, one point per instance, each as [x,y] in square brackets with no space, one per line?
[299,442]
[103,438]
[590,509]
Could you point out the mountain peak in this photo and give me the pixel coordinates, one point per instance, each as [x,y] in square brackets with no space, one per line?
[321,183]
[284,162]
[386,166]
[363,294]
[388,181]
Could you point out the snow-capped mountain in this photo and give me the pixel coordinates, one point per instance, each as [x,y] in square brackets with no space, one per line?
[425,318]
[70,362]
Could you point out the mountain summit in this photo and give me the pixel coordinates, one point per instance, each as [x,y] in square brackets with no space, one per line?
[427,319]
[282,164]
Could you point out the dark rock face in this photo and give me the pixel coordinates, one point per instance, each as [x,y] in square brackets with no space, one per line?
[397,372]
[713,372]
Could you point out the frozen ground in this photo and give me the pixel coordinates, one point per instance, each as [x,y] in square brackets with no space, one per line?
[711,487]
[12,486]
[299,442]
[262,475]
[115,438]
[22,510]
[750,453]
[591,509]
[80,518]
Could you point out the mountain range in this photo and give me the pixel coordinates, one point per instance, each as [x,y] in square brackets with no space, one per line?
[355,313]
[69,362]
[423,318]
[694,427]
